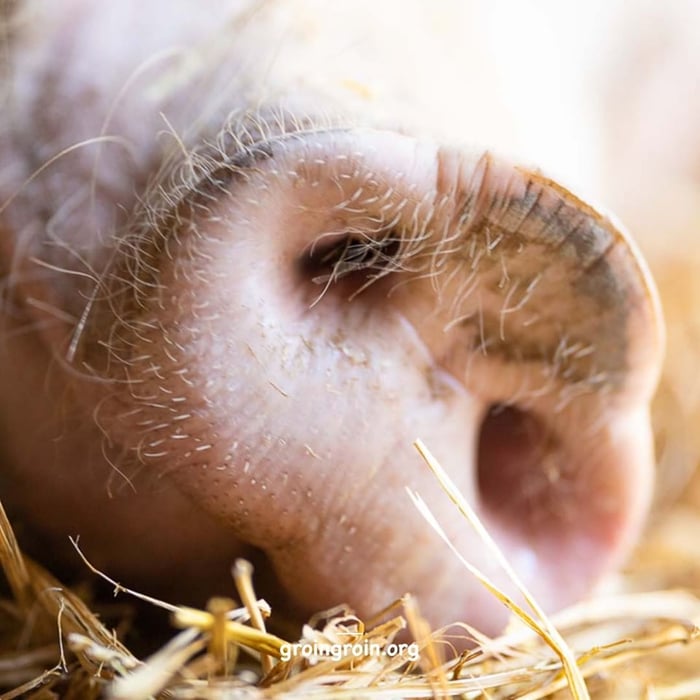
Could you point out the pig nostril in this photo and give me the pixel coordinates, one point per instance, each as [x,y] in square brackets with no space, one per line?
[516,454]
[352,261]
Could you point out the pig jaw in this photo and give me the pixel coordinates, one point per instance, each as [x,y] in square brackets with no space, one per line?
[308,311]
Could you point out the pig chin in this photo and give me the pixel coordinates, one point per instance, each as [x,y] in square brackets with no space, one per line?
[306,307]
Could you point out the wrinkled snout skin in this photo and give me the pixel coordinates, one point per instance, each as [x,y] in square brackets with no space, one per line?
[246,264]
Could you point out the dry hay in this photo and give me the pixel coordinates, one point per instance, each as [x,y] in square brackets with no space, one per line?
[624,645]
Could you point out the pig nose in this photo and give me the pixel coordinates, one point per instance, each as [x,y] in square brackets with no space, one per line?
[319,300]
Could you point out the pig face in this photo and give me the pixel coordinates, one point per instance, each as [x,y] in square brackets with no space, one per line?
[237,293]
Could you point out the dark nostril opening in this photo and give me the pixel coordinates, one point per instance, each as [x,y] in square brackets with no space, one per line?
[518,469]
[351,261]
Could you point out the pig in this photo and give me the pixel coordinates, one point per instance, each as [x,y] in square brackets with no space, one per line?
[251,251]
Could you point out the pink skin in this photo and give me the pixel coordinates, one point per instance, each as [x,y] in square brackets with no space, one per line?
[224,376]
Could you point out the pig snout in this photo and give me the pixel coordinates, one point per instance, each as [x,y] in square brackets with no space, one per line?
[319,301]
[283,308]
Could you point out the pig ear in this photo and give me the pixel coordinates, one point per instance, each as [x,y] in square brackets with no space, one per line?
[562,293]
[566,344]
